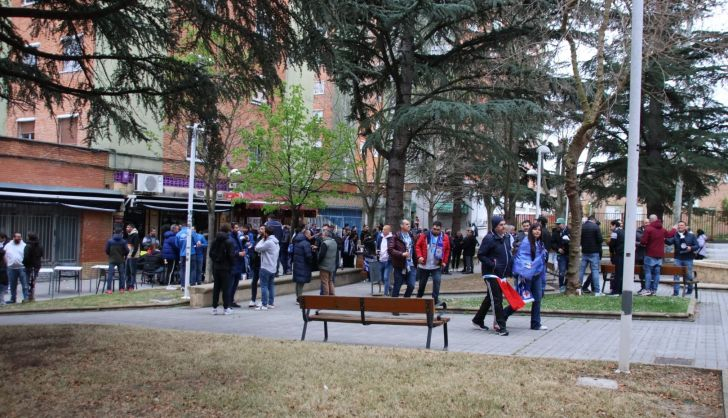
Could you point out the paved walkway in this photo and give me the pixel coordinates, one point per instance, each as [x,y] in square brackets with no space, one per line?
[703,343]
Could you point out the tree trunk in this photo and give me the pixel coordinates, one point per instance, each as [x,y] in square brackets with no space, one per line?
[571,186]
[457,213]
[395,189]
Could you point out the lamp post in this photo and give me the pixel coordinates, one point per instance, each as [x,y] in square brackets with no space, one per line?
[190,194]
[541,150]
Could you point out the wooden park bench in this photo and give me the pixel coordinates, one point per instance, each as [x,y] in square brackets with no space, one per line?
[666,269]
[365,306]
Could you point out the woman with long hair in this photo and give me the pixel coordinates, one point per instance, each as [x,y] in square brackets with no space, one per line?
[528,266]
[701,252]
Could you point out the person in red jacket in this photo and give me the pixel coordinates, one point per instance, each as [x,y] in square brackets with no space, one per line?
[654,240]
[433,251]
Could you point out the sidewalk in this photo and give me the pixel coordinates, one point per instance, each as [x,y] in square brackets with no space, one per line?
[703,343]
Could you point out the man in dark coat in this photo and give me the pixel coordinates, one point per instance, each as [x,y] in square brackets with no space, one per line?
[223,253]
[117,250]
[302,261]
[496,258]
[591,250]
[616,255]
[468,246]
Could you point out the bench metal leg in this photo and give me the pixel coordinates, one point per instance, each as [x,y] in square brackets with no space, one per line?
[326,331]
[444,330]
[429,336]
[695,285]
[305,325]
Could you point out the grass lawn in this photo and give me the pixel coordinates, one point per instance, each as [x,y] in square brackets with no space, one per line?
[559,302]
[91,371]
[159,296]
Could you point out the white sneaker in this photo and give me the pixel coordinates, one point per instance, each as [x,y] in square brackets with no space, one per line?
[271,306]
[598,294]
[214,311]
[541,328]
[228,311]
[261,308]
[252,304]
[259,303]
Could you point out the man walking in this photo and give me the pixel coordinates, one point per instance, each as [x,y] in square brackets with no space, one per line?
[117,250]
[401,250]
[654,241]
[14,253]
[433,251]
[591,249]
[616,251]
[496,260]
[685,245]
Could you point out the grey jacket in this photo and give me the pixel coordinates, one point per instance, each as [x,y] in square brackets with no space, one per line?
[328,255]
[268,250]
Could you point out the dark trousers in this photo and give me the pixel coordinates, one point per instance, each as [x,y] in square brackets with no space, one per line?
[283,259]
[618,275]
[402,275]
[130,270]
[232,285]
[255,273]
[455,262]
[170,268]
[468,263]
[32,273]
[494,297]
[221,283]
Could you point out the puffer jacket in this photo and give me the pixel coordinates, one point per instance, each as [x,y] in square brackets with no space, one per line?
[591,238]
[116,249]
[495,255]
[169,246]
[302,259]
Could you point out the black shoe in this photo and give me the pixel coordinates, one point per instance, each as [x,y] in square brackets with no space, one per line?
[585,291]
[502,332]
[443,304]
[480,326]
[234,305]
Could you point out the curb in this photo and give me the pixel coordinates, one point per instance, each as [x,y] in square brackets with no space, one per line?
[650,316]
[95,309]
[724,374]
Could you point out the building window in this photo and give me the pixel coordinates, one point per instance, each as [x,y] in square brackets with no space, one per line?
[26,128]
[28,2]
[71,48]
[29,58]
[68,129]
[318,87]
[258,98]
[318,114]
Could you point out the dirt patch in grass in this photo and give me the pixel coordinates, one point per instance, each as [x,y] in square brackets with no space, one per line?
[90,371]
[159,296]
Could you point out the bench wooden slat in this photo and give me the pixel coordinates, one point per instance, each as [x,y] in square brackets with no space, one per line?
[399,305]
[338,303]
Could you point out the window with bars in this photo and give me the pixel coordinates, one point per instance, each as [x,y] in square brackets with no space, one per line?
[318,87]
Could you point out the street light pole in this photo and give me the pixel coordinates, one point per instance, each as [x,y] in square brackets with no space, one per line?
[633,155]
[190,195]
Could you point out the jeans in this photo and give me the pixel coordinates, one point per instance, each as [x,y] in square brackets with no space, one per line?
[400,276]
[536,288]
[688,276]
[468,263]
[130,270]
[110,276]
[591,260]
[652,273]
[386,267]
[436,275]
[13,275]
[283,259]
[200,270]
[563,261]
[193,270]
[221,279]
[255,276]
[267,286]
[494,298]
[232,284]
[618,275]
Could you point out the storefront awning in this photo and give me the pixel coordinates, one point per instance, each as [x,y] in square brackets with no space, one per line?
[176,204]
[73,197]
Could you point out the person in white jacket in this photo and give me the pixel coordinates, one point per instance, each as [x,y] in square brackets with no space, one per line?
[268,248]
[14,252]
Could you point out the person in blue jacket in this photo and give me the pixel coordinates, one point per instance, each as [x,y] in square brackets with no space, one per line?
[200,250]
[182,246]
[170,252]
[238,266]
[528,266]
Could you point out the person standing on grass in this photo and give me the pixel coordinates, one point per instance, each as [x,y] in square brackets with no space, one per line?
[134,243]
[222,253]
[328,257]
[3,268]
[401,254]
[268,249]
[433,251]
[561,241]
[468,246]
[616,252]
[32,260]
[14,252]
[384,261]
[528,266]
[496,260]
[685,245]
[117,250]
[591,250]
[302,261]
[654,241]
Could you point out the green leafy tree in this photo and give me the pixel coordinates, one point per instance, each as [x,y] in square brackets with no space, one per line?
[292,158]
[421,69]
[133,54]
